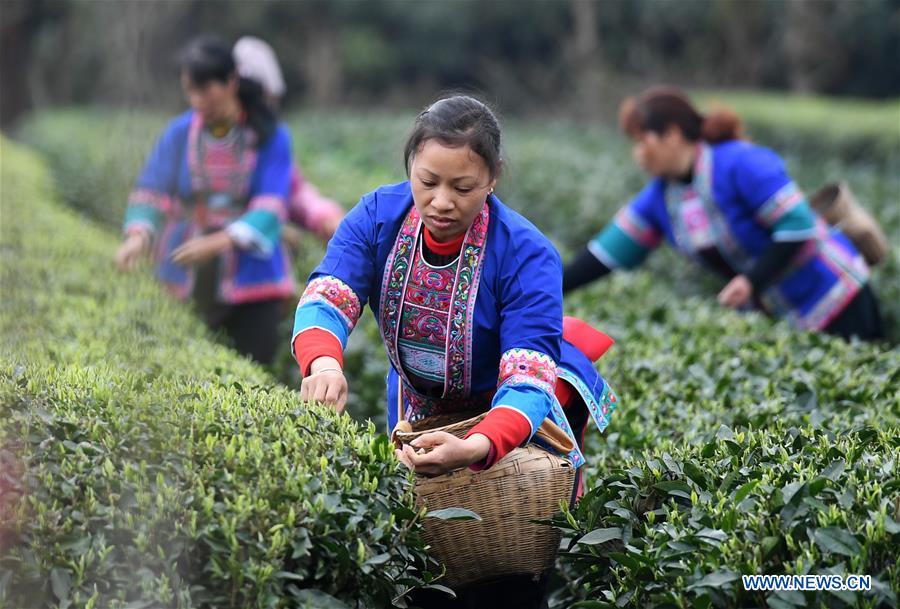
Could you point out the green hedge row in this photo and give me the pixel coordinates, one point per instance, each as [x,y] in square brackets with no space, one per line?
[852,129]
[146,466]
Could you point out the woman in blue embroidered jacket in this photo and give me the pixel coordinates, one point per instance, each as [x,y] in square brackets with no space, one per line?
[467,294]
[730,206]
[211,199]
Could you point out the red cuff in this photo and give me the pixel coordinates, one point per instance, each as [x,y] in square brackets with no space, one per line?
[506,429]
[314,343]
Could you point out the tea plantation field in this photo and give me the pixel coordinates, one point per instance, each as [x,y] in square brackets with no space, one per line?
[144,464]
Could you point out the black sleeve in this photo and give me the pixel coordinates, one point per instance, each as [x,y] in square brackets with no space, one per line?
[584,269]
[773,260]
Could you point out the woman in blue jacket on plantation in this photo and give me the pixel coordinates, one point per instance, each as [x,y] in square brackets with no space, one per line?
[211,200]
[730,206]
[467,294]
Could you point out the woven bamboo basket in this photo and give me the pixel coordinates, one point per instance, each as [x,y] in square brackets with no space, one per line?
[526,485]
[837,204]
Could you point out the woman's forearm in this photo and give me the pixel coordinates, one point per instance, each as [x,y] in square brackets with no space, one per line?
[774,260]
[584,269]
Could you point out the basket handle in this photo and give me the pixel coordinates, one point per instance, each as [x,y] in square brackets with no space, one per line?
[555,437]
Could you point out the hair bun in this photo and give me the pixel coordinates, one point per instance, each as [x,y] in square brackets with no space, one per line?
[721,125]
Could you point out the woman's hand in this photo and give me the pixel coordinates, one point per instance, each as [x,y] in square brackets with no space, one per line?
[291,236]
[325,383]
[737,293]
[135,246]
[201,249]
[448,452]
[328,227]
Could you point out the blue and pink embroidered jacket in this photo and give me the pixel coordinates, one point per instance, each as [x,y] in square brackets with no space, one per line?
[193,183]
[738,203]
[483,334]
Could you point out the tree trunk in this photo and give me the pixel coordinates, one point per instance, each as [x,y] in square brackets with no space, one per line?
[815,56]
[323,63]
[586,59]
[15,58]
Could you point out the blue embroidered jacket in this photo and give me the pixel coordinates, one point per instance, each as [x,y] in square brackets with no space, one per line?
[505,330]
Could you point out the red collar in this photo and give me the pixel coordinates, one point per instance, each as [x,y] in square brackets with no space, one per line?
[446,248]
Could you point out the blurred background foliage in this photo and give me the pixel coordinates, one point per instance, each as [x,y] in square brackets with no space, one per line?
[531,56]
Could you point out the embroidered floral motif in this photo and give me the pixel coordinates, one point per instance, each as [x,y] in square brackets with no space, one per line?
[459,336]
[335,293]
[696,223]
[393,285]
[600,408]
[396,297]
[525,366]
[423,322]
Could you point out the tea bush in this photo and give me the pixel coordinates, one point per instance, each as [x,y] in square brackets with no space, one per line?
[740,448]
[146,466]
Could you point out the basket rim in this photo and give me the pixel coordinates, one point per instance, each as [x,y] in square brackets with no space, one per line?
[548,431]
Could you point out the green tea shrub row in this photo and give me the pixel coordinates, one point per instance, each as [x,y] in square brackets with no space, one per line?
[740,448]
[146,466]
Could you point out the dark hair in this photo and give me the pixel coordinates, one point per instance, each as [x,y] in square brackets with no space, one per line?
[658,108]
[208,58]
[458,120]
